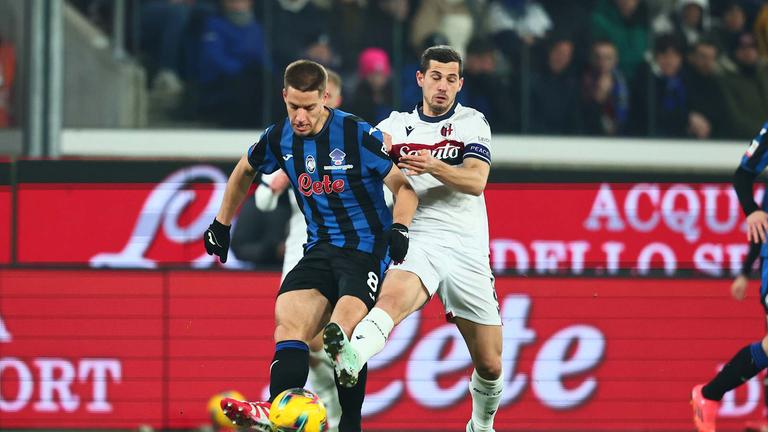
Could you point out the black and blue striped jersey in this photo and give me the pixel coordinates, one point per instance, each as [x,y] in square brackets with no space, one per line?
[756,158]
[337,177]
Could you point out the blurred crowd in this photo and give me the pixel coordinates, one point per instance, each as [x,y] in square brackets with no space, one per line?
[646,68]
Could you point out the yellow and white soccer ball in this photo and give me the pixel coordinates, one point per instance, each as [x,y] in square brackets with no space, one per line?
[298,410]
[214,409]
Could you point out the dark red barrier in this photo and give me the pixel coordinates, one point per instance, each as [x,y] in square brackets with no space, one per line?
[108,349]
[604,228]
[545,228]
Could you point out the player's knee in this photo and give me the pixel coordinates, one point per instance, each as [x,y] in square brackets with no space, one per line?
[396,306]
[285,332]
[488,368]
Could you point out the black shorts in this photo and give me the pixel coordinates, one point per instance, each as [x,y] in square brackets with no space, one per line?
[337,272]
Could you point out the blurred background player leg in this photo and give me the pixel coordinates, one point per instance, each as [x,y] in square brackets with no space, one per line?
[753,358]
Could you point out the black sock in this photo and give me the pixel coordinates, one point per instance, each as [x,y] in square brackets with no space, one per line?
[736,372]
[290,367]
[351,401]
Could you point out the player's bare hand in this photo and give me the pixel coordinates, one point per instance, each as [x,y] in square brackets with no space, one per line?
[418,164]
[739,287]
[279,183]
[757,226]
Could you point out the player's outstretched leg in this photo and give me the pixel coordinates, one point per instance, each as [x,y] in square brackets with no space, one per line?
[253,415]
[321,377]
[402,293]
[705,399]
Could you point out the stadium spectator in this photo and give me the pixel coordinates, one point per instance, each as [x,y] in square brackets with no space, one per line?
[517,23]
[388,17]
[555,92]
[451,18]
[746,89]
[7,74]
[761,31]
[688,22]
[164,24]
[233,58]
[706,101]
[372,98]
[352,21]
[733,24]
[625,23]
[605,93]
[660,97]
[571,19]
[484,89]
[296,26]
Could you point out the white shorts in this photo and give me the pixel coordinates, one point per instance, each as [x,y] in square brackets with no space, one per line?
[463,281]
[294,251]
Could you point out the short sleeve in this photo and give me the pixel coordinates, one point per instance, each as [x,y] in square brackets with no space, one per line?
[756,157]
[476,135]
[373,155]
[261,156]
[386,124]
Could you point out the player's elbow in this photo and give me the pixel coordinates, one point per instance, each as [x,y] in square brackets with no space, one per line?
[478,188]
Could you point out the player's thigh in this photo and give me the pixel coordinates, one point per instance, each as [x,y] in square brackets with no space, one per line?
[402,293]
[485,346]
[300,315]
[418,263]
[468,292]
[306,295]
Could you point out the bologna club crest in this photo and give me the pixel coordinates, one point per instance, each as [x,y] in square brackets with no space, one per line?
[446,130]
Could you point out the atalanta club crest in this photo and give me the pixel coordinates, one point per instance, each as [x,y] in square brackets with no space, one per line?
[446,130]
[310,164]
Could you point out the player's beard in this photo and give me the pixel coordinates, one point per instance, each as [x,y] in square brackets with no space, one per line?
[438,110]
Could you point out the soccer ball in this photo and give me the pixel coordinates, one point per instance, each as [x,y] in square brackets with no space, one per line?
[298,410]
[217,416]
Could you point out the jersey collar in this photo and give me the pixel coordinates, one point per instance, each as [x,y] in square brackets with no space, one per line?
[425,118]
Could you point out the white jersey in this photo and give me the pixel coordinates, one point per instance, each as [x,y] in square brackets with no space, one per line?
[297,236]
[444,216]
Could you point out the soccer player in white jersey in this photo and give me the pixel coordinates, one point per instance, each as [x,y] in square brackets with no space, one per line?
[272,186]
[444,148]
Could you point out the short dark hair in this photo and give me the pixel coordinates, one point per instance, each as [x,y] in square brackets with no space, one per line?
[305,75]
[442,54]
[667,42]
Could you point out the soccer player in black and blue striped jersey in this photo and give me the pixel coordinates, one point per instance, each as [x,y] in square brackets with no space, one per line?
[753,358]
[337,165]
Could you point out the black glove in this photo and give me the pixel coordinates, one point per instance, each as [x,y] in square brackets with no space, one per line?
[216,239]
[398,242]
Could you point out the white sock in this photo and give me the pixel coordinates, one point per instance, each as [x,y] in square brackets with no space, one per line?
[321,378]
[485,401]
[371,334]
